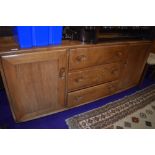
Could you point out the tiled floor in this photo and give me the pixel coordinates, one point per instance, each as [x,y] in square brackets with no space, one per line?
[55,121]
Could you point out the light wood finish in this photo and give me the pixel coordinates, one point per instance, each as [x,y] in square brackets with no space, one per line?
[93,93]
[133,68]
[93,76]
[36,82]
[41,81]
[6,88]
[87,57]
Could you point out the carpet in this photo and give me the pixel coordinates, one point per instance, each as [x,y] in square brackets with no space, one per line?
[134,111]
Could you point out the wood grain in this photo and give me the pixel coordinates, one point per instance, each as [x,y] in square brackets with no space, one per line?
[87,57]
[34,83]
[92,93]
[41,81]
[133,68]
[93,76]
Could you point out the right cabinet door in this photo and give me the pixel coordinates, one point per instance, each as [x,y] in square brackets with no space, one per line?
[133,68]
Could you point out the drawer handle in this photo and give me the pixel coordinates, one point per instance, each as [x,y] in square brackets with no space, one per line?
[79,79]
[125,64]
[62,73]
[111,88]
[78,98]
[114,71]
[81,58]
[119,54]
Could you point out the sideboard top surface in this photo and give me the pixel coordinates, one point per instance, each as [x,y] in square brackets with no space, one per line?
[9,46]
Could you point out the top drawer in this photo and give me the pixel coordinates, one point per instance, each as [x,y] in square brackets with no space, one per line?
[92,56]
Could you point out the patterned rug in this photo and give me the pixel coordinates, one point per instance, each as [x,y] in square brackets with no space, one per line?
[134,111]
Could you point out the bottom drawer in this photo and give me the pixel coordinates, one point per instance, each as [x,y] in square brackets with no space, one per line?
[93,93]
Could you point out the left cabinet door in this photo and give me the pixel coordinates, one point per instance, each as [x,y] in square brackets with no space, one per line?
[35,83]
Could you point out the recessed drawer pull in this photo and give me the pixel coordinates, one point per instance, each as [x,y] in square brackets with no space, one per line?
[81,58]
[114,71]
[79,79]
[62,73]
[119,54]
[111,88]
[78,98]
[125,64]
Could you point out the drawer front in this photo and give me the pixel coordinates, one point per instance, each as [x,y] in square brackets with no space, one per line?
[95,75]
[92,93]
[92,56]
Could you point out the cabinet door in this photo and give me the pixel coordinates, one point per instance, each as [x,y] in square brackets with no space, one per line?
[133,68]
[35,82]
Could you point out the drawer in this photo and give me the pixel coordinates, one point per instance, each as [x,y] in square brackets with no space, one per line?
[93,56]
[95,75]
[92,93]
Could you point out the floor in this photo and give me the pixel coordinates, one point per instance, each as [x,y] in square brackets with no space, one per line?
[56,121]
[143,118]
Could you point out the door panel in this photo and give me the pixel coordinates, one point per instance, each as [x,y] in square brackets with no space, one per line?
[133,68]
[34,82]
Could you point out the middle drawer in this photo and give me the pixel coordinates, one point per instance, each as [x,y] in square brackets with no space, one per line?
[90,77]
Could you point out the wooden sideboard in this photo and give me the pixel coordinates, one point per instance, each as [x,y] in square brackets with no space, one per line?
[152,48]
[46,80]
